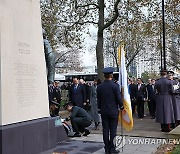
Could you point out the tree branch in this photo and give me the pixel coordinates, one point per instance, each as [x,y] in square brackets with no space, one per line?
[88,5]
[86,22]
[132,58]
[114,17]
[172,64]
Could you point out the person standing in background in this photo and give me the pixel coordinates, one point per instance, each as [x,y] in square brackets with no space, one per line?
[57,92]
[175,98]
[94,105]
[87,87]
[151,98]
[132,92]
[164,105]
[140,97]
[77,93]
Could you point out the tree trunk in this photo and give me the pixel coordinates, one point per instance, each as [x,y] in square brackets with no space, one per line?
[100,40]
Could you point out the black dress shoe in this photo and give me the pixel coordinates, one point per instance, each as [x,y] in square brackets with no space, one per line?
[96,125]
[87,132]
[153,117]
[77,135]
[114,151]
[107,151]
[165,130]
[173,126]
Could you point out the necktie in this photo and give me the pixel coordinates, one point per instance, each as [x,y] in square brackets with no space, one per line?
[153,87]
[75,87]
[139,86]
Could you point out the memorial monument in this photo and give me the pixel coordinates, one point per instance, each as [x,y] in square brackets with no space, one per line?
[25,125]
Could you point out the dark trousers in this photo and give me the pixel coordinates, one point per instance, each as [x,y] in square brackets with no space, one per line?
[133,106]
[109,124]
[152,107]
[140,108]
[79,124]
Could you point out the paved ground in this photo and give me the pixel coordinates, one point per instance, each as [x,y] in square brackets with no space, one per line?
[145,137]
[146,127]
[93,144]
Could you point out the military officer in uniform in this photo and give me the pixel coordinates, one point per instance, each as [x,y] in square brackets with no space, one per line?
[109,101]
[175,98]
[164,105]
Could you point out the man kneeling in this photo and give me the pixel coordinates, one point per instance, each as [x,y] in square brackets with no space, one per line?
[80,119]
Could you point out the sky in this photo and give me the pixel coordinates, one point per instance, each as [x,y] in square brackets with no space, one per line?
[89,56]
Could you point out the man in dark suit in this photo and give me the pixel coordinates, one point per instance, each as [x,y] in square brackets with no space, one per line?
[140,97]
[56,97]
[77,93]
[109,100]
[164,105]
[86,105]
[57,92]
[151,98]
[132,92]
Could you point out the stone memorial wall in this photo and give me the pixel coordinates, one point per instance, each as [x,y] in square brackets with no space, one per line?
[24,94]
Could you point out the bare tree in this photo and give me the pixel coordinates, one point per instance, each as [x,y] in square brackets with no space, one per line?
[67,59]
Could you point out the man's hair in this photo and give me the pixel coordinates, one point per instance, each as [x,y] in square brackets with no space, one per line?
[67,104]
[163,73]
[130,79]
[75,77]
[139,79]
[107,76]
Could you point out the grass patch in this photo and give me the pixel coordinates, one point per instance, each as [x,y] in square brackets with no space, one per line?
[177,150]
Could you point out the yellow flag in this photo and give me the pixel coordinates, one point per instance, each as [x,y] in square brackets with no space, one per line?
[127,120]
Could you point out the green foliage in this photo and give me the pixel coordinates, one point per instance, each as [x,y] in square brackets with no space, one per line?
[153,75]
[177,150]
[145,77]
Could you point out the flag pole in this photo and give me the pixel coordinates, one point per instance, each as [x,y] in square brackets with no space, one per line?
[122,129]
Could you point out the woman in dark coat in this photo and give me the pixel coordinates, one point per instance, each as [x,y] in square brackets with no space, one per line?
[94,105]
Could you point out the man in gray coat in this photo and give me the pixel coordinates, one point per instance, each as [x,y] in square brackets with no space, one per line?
[164,106]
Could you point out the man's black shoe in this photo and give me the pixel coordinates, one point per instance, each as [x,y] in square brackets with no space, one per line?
[165,130]
[114,151]
[96,125]
[77,135]
[153,117]
[87,132]
[107,151]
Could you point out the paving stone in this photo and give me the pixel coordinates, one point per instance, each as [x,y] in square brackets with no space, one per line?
[93,143]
